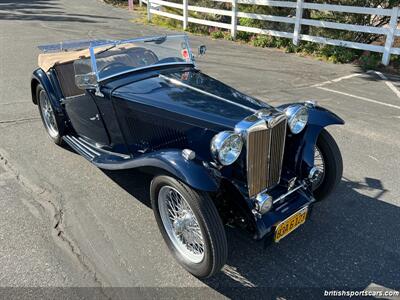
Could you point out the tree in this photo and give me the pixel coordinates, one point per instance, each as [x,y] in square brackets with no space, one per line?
[358,19]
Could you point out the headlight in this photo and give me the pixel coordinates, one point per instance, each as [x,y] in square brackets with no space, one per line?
[226,147]
[297,118]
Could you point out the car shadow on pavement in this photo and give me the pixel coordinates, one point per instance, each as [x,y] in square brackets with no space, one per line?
[351,240]
[135,182]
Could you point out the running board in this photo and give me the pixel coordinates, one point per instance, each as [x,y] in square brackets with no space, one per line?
[96,155]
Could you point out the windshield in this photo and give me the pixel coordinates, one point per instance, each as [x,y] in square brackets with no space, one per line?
[119,57]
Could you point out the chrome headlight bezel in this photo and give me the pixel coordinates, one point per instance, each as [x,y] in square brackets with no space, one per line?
[297,117]
[219,144]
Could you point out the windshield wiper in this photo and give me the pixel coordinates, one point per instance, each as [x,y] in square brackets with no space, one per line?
[157,40]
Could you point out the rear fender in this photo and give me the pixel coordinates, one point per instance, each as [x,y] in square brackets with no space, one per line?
[40,77]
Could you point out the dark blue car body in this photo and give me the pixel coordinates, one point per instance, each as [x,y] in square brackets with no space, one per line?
[142,120]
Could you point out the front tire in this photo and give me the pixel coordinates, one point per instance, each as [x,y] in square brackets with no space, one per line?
[328,160]
[190,225]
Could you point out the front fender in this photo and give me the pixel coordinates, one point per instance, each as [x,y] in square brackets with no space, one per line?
[191,172]
[318,118]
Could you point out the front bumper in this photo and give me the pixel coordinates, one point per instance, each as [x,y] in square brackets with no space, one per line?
[265,224]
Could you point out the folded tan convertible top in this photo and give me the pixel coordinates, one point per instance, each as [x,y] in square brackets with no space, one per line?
[47,60]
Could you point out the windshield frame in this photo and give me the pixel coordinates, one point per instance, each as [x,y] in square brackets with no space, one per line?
[96,45]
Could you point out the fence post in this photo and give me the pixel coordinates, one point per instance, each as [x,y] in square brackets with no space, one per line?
[185,14]
[234,19]
[140,3]
[297,24]
[390,36]
[148,10]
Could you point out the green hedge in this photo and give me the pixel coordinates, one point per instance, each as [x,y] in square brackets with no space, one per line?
[331,53]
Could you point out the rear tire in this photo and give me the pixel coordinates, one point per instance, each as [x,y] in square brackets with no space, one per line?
[51,122]
[194,234]
[333,165]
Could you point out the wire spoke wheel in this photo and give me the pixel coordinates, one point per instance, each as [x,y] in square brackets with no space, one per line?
[190,224]
[181,224]
[319,163]
[49,118]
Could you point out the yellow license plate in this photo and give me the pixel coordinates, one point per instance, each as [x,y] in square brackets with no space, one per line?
[290,224]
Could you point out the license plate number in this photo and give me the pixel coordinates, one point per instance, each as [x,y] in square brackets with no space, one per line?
[290,224]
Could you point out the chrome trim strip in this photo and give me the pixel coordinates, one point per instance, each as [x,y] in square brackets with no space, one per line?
[180,83]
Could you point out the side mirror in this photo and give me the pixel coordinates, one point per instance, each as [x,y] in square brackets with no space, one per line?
[202,50]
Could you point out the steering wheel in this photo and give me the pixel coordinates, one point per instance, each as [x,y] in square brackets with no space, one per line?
[150,54]
[112,65]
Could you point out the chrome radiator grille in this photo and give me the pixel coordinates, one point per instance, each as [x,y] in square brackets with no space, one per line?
[264,157]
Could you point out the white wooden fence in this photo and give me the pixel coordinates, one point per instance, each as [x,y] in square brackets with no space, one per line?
[391,31]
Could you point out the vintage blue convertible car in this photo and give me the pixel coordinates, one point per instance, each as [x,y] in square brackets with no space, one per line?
[218,156]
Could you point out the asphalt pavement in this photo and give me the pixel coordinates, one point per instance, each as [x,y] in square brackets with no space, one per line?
[65,223]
